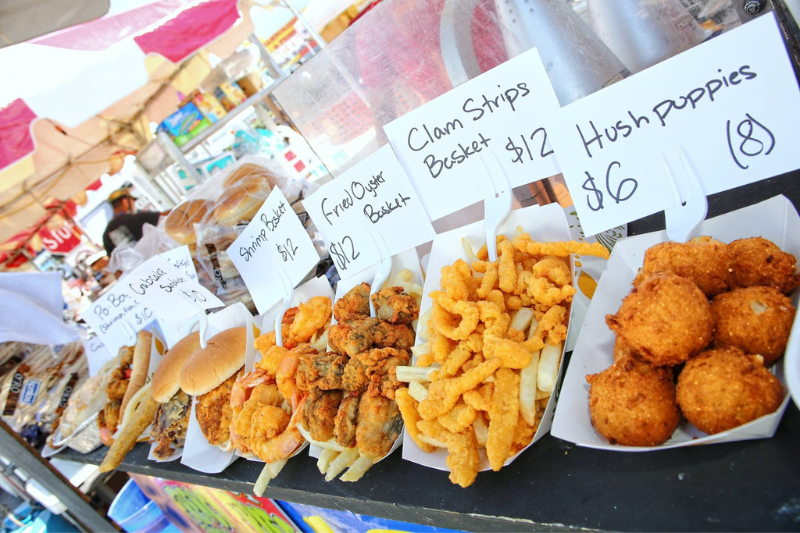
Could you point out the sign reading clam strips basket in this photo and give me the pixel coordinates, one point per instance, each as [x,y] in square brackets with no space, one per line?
[376,192]
[775,219]
[732,107]
[274,239]
[442,145]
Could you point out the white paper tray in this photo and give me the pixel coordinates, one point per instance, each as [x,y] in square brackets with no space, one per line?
[774,219]
[545,224]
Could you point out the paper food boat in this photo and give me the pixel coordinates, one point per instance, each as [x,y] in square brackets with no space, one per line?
[774,219]
[313,287]
[198,454]
[405,260]
[545,224]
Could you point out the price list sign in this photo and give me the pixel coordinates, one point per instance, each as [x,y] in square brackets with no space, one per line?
[374,193]
[275,238]
[732,107]
[116,316]
[443,144]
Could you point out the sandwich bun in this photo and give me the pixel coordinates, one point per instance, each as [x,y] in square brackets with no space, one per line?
[210,367]
[167,377]
[248,170]
[242,201]
[179,224]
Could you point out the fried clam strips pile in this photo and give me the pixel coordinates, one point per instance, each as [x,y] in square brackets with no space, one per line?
[494,339]
[723,388]
[665,320]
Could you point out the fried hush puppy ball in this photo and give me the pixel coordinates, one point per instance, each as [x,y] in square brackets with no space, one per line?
[723,388]
[756,320]
[633,404]
[703,260]
[665,320]
[621,349]
[759,262]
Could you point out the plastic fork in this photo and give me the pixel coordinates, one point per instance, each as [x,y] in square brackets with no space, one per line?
[497,207]
[688,213]
[382,269]
[202,318]
[287,301]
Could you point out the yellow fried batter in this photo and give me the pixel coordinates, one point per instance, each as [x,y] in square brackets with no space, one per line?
[455,280]
[552,326]
[271,359]
[445,316]
[554,269]
[503,416]
[408,408]
[459,418]
[443,394]
[489,281]
[311,317]
[507,270]
[562,249]
[511,354]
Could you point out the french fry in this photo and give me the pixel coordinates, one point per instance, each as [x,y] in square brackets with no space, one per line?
[328,445]
[431,441]
[548,367]
[542,395]
[325,458]
[414,373]
[527,390]
[268,473]
[522,319]
[417,390]
[321,344]
[402,276]
[345,459]
[481,430]
[423,322]
[357,469]
[419,349]
[533,326]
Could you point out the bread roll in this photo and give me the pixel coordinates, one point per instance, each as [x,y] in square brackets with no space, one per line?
[179,224]
[209,367]
[167,377]
[241,202]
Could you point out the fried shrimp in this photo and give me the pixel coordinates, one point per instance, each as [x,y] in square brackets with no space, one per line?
[311,317]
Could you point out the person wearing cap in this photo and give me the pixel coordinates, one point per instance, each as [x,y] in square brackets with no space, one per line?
[126,226]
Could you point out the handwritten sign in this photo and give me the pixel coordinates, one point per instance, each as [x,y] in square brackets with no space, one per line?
[116,316]
[441,143]
[167,290]
[181,258]
[275,238]
[96,354]
[732,107]
[375,192]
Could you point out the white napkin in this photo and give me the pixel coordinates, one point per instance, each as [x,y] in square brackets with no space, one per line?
[31,309]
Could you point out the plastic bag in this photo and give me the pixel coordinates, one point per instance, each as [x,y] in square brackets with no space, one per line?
[127,256]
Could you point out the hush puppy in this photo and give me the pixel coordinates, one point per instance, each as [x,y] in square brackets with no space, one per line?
[621,349]
[759,262]
[665,320]
[723,388]
[633,404]
[702,260]
[757,320]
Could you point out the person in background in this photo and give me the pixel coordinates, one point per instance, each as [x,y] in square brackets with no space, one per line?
[126,226]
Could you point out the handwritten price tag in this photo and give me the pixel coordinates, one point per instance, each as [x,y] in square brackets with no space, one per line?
[440,144]
[96,354]
[275,238]
[732,107]
[181,258]
[376,192]
[116,307]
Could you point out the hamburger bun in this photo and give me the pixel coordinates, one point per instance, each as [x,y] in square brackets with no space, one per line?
[167,377]
[242,201]
[211,366]
[179,224]
[245,171]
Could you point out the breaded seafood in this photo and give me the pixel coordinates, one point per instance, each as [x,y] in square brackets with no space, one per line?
[394,305]
[354,304]
[757,320]
[703,260]
[759,262]
[723,388]
[665,320]
[633,403]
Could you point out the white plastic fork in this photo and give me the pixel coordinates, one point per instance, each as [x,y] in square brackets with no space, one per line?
[382,269]
[688,213]
[287,301]
[202,318]
[497,207]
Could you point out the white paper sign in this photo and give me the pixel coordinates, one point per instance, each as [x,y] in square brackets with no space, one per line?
[375,192]
[96,354]
[168,291]
[117,316]
[733,108]
[441,143]
[275,238]
[181,258]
